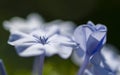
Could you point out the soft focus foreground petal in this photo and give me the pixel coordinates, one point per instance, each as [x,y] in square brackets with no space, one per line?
[111,57]
[100,67]
[87,72]
[30,50]
[101,71]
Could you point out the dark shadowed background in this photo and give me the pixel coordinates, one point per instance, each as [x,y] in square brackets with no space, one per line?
[79,11]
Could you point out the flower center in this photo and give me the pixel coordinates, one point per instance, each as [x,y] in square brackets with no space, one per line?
[43,40]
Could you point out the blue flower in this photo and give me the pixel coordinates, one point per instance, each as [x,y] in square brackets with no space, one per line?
[34,37]
[90,39]
[2,68]
[100,62]
[40,43]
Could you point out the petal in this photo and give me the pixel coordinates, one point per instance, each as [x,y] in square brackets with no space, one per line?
[64,51]
[63,46]
[97,59]
[78,57]
[59,39]
[50,49]
[95,42]
[87,72]
[102,71]
[17,38]
[81,35]
[14,23]
[35,19]
[52,30]
[99,35]
[101,27]
[99,63]
[38,33]
[90,23]
[65,27]
[29,50]
[88,31]
[111,56]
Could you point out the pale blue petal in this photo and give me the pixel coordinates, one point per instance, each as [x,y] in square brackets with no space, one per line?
[59,39]
[52,30]
[66,27]
[102,71]
[78,57]
[35,19]
[80,37]
[95,42]
[18,38]
[87,72]
[101,27]
[65,52]
[14,23]
[111,57]
[50,49]
[38,33]
[88,31]
[62,45]
[100,67]
[90,23]
[30,50]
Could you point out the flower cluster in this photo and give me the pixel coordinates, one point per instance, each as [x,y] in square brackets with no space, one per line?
[35,37]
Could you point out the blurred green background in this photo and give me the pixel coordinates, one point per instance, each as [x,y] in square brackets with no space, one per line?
[79,11]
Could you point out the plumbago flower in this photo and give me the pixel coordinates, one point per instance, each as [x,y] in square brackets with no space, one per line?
[33,37]
[40,42]
[90,39]
[33,22]
[107,56]
[2,68]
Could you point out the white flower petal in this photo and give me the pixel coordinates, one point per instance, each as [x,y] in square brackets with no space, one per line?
[64,51]
[30,50]
[18,38]
[50,49]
